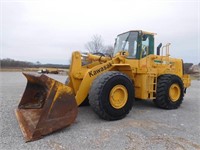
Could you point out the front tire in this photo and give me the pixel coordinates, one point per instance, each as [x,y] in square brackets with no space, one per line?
[169,92]
[111,95]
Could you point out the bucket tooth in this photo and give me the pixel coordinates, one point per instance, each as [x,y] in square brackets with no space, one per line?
[46,106]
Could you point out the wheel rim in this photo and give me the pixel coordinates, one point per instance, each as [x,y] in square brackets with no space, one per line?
[118,96]
[174,92]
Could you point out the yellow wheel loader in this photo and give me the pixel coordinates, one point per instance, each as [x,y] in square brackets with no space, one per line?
[110,84]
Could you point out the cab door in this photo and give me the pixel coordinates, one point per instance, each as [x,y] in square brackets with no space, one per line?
[147,45]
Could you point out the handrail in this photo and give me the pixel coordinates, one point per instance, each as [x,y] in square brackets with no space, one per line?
[166,48]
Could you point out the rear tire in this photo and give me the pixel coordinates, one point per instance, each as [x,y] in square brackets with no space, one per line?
[169,92]
[111,95]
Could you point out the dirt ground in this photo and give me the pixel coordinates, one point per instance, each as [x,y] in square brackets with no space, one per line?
[145,127]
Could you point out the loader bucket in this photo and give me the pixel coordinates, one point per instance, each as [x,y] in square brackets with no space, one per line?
[46,106]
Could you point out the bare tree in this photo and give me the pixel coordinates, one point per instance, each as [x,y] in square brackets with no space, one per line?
[109,50]
[95,45]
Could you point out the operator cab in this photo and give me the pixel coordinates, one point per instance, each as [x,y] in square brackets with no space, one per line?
[137,43]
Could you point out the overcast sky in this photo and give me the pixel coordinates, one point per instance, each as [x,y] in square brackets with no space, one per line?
[48,31]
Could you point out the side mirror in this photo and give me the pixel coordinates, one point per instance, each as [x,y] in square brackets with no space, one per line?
[158,48]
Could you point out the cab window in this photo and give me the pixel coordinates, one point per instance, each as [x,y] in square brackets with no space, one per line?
[145,46]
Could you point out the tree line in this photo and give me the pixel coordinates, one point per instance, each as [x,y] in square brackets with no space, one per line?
[11,63]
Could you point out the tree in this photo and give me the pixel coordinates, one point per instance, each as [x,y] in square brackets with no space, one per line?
[38,63]
[109,50]
[96,46]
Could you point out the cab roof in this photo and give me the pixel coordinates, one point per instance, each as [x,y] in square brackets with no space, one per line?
[140,31]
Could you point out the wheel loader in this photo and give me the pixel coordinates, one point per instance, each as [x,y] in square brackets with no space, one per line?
[109,83]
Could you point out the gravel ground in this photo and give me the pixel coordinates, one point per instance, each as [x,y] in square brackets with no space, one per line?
[145,127]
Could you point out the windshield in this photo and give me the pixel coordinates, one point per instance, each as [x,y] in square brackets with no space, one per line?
[127,42]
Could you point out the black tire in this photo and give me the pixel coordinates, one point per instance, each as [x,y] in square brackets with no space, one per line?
[163,99]
[100,91]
